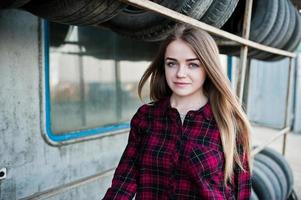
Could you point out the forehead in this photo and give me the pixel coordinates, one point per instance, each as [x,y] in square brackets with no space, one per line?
[180,50]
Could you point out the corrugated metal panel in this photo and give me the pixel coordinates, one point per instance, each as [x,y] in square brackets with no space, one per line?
[267,92]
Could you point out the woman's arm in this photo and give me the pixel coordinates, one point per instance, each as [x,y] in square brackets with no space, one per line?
[124,183]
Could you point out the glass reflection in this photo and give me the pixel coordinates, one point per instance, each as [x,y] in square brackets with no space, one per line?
[94,76]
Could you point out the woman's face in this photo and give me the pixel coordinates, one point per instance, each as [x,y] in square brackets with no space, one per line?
[183,71]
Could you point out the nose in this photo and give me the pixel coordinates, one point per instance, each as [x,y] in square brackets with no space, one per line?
[181,71]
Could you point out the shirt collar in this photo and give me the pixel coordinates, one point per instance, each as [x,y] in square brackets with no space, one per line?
[206,111]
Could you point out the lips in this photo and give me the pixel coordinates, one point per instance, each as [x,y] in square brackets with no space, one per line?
[181,83]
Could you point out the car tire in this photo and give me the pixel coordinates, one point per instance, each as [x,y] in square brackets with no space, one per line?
[277,172]
[262,185]
[79,12]
[280,160]
[219,12]
[149,26]
[277,32]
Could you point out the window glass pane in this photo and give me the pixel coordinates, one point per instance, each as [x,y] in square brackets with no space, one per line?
[129,86]
[94,75]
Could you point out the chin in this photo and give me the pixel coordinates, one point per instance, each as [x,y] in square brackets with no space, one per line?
[182,94]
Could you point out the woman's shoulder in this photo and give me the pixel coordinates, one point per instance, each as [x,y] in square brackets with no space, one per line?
[152,105]
[150,108]
[146,108]
[142,115]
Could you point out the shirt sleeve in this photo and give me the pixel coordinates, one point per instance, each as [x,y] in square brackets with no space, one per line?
[243,181]
[124,183]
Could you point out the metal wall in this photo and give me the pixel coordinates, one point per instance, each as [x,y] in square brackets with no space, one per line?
[32,164]
[267,93]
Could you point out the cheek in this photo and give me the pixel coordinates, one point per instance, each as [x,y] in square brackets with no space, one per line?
[168,74]
[201,76]
[168,78]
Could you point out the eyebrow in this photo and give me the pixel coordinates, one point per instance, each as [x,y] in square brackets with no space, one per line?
[190,59]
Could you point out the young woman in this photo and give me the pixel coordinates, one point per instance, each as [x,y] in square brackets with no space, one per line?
[192,142]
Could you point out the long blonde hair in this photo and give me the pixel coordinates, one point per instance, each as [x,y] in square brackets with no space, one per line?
[232,121]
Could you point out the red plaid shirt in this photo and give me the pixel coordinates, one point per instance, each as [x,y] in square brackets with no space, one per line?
[165,159]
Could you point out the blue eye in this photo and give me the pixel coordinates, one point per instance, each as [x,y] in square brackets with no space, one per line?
[193,65]
[170,64]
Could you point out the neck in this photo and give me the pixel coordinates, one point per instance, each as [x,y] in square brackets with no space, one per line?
[184,104]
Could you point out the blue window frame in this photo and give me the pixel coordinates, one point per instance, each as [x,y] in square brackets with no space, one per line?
[90,105]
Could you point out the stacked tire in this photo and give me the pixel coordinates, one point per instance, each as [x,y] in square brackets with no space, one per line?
[148,26]
[275,23]
[127,20]
[75,12]
[272,177]
[70,12]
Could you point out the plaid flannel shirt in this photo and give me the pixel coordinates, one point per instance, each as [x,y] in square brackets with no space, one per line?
[165,159]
